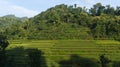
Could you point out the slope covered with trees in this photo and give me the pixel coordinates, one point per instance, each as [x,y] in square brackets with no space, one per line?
[70,22]
[8,20]
[9,24]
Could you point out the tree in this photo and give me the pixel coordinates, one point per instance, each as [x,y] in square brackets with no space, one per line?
[117,11]
[35,58]
[109,10]
[104,61]
[3,44]
[75,5]
[97,9]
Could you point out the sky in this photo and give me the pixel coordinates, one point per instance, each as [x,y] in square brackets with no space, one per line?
[30,8]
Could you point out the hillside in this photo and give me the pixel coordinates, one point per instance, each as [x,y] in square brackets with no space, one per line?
[8,20]
[62,36]
[70,22]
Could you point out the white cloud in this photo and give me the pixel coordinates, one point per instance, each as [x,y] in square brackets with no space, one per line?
[90,1]
[23,11]
[9,8]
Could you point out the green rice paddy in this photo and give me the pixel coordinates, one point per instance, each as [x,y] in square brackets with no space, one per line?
[56,50]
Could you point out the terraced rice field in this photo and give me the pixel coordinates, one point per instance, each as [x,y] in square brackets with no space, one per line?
[56,50]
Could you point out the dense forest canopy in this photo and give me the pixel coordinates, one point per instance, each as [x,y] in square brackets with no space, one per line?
[65,22]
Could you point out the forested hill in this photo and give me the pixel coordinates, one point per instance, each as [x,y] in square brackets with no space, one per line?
[8,20]
[70,22]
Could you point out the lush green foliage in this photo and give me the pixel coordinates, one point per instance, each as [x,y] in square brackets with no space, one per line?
[8,20]
[67,33]
[11,26]
[66,22]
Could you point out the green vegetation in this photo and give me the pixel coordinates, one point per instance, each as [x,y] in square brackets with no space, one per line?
[62,35]
[57,50]
[64,22]
[3,45]
[9,20]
